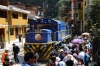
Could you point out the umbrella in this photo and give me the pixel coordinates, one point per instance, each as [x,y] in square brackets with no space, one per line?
[86,34]
[77,41]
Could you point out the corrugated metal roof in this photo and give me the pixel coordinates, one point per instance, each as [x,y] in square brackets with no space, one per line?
[13,8]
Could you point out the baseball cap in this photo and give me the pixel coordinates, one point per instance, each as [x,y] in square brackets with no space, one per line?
[61,50]
[57,59]
[6,48]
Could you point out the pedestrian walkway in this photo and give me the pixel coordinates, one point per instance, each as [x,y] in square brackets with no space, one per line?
[9,45]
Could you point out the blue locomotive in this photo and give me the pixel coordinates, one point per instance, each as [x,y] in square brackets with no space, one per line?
[43,33]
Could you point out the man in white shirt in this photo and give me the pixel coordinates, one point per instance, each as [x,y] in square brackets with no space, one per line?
[81,54]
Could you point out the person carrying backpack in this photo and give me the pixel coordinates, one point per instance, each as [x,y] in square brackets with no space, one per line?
[16,50]
[86,59]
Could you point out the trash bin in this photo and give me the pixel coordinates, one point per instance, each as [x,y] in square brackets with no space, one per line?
[2,45]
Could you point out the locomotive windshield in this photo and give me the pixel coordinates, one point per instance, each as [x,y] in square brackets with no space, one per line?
[45,26]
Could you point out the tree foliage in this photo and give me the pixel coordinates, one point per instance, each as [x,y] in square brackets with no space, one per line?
[63,7]
[49,6]
[53,8]
[94,14]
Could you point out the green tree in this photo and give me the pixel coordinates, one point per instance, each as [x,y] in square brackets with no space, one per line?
[49,6]
[63,7]
[94,15]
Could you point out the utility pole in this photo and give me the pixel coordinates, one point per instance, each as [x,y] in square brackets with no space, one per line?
[72,5]
[7,1]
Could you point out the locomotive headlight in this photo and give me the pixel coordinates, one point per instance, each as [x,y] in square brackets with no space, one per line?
[49,21]
[38,37]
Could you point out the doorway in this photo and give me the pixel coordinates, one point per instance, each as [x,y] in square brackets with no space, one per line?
[16,32]
[2,34]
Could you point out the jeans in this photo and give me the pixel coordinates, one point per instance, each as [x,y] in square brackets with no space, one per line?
[16,57]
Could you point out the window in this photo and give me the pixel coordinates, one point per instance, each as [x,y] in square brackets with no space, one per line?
[24,29]
[85,3]
[3,14]
[79,6]
[24,16]
[15,15]
[76,14]
[11,31]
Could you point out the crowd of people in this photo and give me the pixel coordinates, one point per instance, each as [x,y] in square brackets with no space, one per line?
[72,54]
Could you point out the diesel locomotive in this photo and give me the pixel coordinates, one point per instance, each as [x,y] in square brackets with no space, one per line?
[44,34]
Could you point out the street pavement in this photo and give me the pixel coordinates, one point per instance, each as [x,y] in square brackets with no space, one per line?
[20,55]
[9,45]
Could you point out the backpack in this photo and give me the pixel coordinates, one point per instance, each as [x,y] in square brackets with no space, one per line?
[86,58]
[18,49]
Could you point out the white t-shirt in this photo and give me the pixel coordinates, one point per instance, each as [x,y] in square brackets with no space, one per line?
[81,55]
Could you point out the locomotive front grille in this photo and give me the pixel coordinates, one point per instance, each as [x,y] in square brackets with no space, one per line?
[43,50]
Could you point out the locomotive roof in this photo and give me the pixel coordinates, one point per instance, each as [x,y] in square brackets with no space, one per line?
[60,22]
[46,30]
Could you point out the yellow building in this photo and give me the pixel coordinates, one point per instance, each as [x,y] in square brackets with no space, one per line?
[13,21]
[81,15]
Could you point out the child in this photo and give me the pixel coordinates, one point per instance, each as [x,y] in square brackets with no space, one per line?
[80,62]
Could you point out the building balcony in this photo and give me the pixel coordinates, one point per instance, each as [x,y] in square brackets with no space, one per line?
[18,18]
[19,21]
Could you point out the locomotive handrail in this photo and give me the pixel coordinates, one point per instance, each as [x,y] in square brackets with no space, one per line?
[40,43]
[36,32]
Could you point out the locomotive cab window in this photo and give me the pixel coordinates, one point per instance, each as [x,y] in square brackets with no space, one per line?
[44,26]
